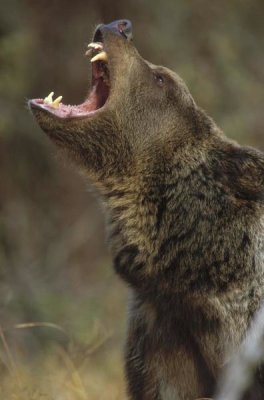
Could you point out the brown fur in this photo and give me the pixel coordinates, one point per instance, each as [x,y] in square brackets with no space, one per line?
[185,217]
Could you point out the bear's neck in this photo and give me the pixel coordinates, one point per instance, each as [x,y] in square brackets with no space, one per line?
[171,236]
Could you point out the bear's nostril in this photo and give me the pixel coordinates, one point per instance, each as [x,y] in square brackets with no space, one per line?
[122,26]
[125,28]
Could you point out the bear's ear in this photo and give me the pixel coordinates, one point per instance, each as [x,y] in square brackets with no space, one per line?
[201,124]
[241,170]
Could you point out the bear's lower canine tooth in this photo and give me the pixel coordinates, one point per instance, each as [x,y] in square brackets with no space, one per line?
[100,57]
[53,103]
[48,99]
[56,102]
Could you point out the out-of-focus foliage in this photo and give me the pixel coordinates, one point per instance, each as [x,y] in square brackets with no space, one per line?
[54,266]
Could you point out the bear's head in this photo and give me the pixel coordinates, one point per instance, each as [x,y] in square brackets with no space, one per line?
[137,114]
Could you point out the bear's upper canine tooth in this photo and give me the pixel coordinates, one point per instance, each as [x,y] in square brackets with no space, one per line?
[101,56]
[56,102]
[48,99]
[95,46]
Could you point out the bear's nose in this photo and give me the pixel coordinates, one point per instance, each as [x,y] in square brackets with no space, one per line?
[121,27]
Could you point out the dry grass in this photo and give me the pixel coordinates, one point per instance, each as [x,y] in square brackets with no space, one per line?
[81,372]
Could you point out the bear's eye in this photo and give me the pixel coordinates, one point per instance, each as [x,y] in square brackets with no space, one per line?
[159,79]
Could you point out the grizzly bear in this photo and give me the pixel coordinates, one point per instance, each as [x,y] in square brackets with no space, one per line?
[185,212]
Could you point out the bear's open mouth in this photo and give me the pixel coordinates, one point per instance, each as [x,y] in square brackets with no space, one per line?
[97,97]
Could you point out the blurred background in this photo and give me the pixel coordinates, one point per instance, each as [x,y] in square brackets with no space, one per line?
[62,309]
